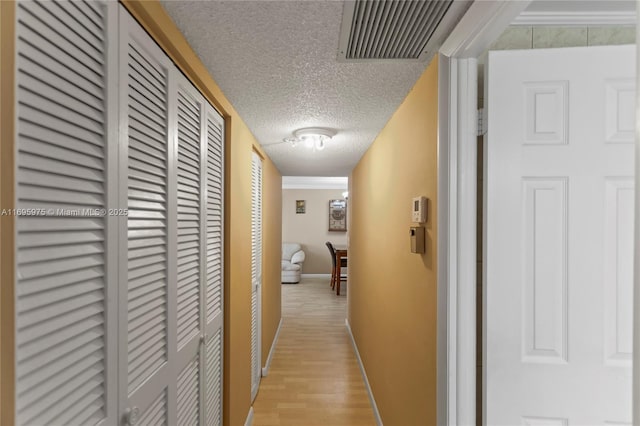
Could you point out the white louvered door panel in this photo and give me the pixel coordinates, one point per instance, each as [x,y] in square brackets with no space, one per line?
[256,272]
[65,324]
[190,195]
[213,289]
[148,344]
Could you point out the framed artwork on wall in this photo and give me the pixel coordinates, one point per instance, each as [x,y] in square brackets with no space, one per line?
[300,207]
[338,215]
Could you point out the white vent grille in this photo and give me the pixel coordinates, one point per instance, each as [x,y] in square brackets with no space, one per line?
[391,29]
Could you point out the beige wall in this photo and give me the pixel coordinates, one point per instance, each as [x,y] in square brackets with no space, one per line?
[392,292]
[312,228]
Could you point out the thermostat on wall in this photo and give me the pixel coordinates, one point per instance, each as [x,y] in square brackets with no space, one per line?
[419,210]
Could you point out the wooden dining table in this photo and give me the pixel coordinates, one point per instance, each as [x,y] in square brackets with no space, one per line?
[341,253]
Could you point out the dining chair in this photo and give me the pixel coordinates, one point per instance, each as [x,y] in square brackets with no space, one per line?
[334,270]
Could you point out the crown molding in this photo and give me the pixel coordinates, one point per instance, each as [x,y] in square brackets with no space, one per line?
[315,182]
[574,19]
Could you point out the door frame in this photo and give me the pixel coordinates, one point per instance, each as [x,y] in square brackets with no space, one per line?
[482,24]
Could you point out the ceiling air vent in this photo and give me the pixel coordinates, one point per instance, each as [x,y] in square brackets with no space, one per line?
[394,29]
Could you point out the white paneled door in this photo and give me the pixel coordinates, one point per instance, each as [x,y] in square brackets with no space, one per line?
[559,231]
[119,291]
[256,273]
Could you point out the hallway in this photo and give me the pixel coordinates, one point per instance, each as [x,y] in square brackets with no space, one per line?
[314,378]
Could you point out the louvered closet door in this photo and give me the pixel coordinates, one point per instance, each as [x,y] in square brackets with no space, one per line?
[148,239]
[256,272]
[190,261]
[213,290]
[65,321]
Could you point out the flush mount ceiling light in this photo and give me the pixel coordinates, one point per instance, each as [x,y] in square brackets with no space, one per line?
[311,137]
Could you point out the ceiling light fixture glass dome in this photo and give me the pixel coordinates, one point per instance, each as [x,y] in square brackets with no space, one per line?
[313,137]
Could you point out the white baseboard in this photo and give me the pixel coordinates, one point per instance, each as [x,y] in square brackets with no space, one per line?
[315,275]
[265,369]
[249,420]
[376,413]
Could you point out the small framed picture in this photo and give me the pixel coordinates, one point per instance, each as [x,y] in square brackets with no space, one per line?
[300,207]
[338,215]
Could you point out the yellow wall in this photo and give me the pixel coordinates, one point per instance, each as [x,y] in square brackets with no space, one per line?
[392,292]
[272,247]
[7,243]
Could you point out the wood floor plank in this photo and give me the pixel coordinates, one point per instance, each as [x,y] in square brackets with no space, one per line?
[314,378]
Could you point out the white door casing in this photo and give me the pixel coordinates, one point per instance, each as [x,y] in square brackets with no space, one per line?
[256,272]
[559,212]
[483,22]
[636,270]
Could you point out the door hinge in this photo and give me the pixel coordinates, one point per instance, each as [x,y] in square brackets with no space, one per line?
[482,122]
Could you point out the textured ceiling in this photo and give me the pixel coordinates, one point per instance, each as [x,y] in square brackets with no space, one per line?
[560,6]
[276,62]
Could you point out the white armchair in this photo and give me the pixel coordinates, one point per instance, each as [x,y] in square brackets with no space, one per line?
[292,258]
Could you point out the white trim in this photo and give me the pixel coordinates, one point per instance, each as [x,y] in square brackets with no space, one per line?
[265,369]
[483,23]
[457,156]
[636,272]
[457,143]
[466,247]
[315,276]
[569,19]
[315,182]
[445,376]
[376,413]
[249,420]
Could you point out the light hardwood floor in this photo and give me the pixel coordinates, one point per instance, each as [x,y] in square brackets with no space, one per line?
[314,378]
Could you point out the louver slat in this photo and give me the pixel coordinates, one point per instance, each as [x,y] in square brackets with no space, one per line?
[214,219]
[61,287]
[390,29]
[214,152]
[213,379]
[256,269]
[147,221]
[188,395]
[254,338]
[374,32]
[156,413]
[188,254]
[409,20]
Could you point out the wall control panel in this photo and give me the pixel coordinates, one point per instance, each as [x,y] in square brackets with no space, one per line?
[417,239]
[419,210]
